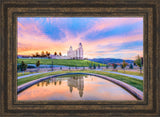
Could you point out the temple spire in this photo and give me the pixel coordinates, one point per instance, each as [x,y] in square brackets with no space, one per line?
[80,44]
[70,48]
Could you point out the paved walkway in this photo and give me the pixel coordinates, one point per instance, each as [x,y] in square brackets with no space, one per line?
[133,76]
[32,74]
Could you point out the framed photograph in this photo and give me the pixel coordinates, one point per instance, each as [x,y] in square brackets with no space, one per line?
[107,47]
[77,58]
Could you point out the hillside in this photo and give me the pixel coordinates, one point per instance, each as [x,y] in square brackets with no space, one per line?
[109,60]
[78,63]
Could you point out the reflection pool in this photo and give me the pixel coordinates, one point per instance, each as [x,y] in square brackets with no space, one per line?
[75,87]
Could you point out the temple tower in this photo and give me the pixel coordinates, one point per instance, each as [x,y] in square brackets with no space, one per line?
[80,51]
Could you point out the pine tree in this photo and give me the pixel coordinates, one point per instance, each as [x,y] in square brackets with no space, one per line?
[131,66]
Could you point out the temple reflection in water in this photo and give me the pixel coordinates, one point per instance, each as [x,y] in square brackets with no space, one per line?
[76,82]
[72,82]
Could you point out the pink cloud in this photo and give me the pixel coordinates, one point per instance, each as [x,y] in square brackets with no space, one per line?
[114,22]
[109,24]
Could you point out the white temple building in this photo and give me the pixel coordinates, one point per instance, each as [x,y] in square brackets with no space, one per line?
[71,54]
[76,54]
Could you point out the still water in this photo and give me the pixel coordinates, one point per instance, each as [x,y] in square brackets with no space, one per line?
[75,87]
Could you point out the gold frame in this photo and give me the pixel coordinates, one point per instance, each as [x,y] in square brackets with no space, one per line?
[10,10]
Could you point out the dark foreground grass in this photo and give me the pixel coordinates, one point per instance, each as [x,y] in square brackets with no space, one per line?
[65,62]
[25,73]
[131,81]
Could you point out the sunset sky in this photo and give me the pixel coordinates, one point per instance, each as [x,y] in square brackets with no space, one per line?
[101,37]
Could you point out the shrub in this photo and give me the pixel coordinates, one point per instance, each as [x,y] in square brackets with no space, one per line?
[107,66]
[90,66]
[94,66]
[114,66]
[23,66]
[38,63]
[131,66]
[99,66]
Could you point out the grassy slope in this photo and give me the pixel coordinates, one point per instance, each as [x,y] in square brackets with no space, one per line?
[131,81]
[79,63]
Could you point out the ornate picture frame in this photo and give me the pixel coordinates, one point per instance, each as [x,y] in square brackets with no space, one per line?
[10,10]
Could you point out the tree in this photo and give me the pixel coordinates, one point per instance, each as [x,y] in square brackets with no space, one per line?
[55,53]
[60,54]
[38,64]
[142,60]
[90,66]
[134,63]
[42,54]
[131,66]
[37,54]
[107,66]
[99,66]
[114,66]
[47,53]
[94,66]
[139,63]
[33,55]
[124,64]
[23,66]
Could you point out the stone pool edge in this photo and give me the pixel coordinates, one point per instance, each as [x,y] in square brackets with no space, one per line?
[134,91]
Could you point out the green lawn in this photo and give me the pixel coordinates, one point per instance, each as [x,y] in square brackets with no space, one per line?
[78,63]
[131,81]
[25,73]
[130,72]
[136,73]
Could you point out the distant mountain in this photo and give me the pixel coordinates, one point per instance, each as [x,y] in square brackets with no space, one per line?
[110,60]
